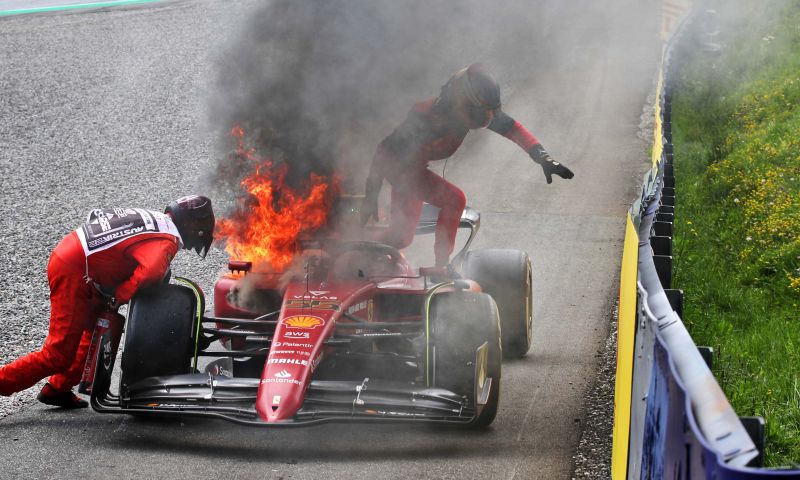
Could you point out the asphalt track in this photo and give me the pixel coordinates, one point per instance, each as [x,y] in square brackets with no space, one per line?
[78,122]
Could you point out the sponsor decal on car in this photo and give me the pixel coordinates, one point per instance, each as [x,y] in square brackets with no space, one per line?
[276,353]
[283,374]
[358,307]
[303,321]
[322,297]
[289,361]
[276,399]
[220,370]
[292,344]
[361,307]
[300,303]
[283,352]
[295,335]
[280,380]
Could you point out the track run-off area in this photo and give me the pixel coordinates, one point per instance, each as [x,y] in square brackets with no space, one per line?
[108,107]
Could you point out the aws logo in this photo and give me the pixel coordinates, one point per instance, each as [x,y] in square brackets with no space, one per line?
[294,335]
[303,321]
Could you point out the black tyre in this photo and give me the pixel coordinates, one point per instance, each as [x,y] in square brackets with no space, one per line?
[159,337]
[461,323]
[506,276]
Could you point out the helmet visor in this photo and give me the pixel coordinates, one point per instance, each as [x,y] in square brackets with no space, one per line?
[478,116]
[203,236]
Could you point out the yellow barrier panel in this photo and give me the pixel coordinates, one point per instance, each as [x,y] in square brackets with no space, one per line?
[626,330]
[658,147]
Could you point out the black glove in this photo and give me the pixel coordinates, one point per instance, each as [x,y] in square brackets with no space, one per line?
[369,208]
[549,166]
[112,304]
[108,296]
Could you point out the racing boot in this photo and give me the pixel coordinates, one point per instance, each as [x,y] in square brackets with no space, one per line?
[68,400]
[441,273]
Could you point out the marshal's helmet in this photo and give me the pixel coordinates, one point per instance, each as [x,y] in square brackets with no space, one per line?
[475,92]
[194,218]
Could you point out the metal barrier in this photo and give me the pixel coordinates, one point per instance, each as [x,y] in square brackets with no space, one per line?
[672,419]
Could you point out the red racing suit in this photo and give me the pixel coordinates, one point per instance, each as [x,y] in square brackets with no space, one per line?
[429,133]
[122,267]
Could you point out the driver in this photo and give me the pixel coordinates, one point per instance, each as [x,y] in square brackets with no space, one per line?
[101,265]
[433,130]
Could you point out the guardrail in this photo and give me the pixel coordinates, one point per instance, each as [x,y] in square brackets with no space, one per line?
[671,418]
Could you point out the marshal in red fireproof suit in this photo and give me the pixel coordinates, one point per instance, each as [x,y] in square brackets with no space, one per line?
[433,130]
[98,267]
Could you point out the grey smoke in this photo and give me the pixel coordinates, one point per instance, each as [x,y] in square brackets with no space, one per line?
[319,84]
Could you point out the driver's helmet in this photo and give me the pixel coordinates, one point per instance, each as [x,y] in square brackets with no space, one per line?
[194,218]
[475,92]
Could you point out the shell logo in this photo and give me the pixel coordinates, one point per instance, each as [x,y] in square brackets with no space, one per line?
[303,321]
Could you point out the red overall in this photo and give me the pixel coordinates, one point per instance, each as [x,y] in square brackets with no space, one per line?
[402,159]
[74,303]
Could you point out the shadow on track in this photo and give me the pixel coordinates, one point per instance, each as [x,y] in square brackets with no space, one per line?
[209,438]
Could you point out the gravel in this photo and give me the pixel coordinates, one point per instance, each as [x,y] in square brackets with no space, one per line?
[115,124]
[593,457]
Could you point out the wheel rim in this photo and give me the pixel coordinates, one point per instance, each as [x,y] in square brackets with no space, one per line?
[528,304]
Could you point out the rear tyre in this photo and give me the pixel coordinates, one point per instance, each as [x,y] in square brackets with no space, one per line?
[159,338]
[460,323]
[506,276]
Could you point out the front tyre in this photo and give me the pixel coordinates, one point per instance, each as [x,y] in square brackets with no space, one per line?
[465,349]
[159,338]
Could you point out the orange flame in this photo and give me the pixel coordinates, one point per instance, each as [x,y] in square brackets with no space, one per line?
[267,223]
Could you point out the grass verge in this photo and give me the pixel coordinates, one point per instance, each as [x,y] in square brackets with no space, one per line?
[736,124]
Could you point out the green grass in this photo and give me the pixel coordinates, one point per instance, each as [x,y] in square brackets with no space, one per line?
[736,124]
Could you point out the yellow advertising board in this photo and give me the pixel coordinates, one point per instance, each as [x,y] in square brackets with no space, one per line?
[626,331]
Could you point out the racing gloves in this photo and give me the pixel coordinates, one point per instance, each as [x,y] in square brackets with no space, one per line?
[108,296]
[549,166]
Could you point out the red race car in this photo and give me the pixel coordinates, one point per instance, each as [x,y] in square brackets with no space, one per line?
[355,333]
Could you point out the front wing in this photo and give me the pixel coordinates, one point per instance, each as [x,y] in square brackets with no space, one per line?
[325,401]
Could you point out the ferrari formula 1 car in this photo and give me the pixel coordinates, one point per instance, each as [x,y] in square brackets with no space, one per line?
[355,334]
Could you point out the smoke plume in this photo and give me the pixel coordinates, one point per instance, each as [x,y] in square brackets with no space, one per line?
[318,84]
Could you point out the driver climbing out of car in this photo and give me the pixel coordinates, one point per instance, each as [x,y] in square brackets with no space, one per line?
[433,130]
[98,267]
